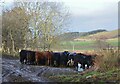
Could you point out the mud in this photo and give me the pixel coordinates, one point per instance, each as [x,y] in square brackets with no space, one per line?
[14,71]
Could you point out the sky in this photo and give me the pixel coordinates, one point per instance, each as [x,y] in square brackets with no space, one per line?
[87,15]
[90,15]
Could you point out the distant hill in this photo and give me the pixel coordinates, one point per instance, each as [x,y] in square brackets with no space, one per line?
[105,34]
[95,31]
[74,35]
[71,35]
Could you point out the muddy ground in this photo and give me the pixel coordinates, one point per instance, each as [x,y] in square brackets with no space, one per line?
[14,71]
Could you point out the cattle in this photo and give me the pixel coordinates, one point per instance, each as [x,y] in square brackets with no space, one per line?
[56,59]
[43,58]
[79,60]
[64,58]
[31,57]
[27,57]
[83,59]
[70,62]
[60,58]
[48,57]
[40,58]
[79,67]
[23,56]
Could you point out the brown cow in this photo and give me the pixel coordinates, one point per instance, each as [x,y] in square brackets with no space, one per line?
[48,57]
[43,58]
[40,58]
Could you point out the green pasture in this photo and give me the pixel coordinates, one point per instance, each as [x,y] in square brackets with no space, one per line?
[85,45]
[77,43]
[114,42]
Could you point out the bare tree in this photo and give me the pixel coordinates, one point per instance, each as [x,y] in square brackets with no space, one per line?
[48,20]
[14,29]
[32,25]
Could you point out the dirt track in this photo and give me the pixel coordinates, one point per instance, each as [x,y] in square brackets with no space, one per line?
[13,71]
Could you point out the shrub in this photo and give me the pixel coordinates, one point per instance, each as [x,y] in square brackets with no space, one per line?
[108,59]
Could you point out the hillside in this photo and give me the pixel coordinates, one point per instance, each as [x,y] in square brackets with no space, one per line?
[70,35]
[74,35]
[77,41]
[105,35]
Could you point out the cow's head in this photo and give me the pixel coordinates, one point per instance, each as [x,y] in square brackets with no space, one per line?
[66,53]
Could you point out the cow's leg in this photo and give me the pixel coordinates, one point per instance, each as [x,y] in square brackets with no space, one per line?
[25,61]
[48,62]
[68,63]
[21,61]
[51,62]
[89,63]
[83,65]
[76,66]
[36,61]
[79,67]
[29,58]
[88,66]
[54,63]
[58,63]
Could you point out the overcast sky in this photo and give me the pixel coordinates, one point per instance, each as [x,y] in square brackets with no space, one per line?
[87,15]
[93,14]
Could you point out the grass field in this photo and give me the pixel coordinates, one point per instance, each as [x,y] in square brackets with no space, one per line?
[88,42]
[114,42]
[86,45]
[78,43]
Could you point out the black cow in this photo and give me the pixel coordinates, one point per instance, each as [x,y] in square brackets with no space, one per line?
[23,56]
[70,62]
[27,57]
[83,60]
[60,58]
[56,59]
[31,57]
[64,58]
